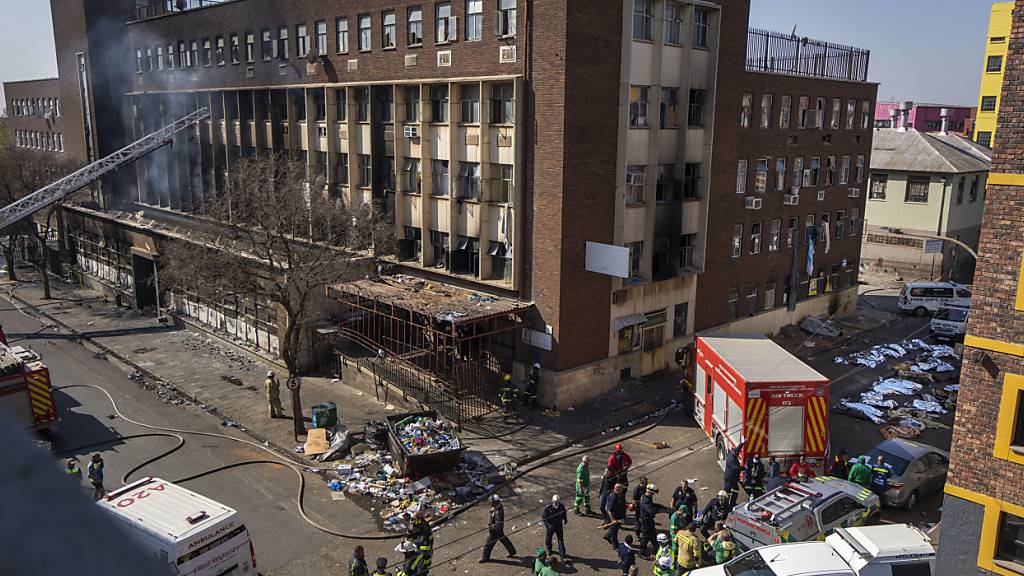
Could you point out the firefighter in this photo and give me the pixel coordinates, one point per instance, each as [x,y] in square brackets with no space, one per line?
[753,477]
[582,487]
[554,518]
[409,552]
[422,536]
[715,511]
[840,467]
[646,512]
[273,391]
[732,473]
[664,549]
[663,567]
[71,470]
[688,548]
[357,565]
[618,464]
[638,494]
[508,395]
[532,384]
[382,567]
[880,474]
[496,530]
[95,470]
[860,472]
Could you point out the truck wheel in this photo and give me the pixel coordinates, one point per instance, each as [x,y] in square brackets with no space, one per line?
[920,311]
[911,500]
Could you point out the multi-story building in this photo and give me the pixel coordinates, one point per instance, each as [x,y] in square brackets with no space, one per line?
[508,139]
[34,116]
[983,510]
[926,117]
[996,46]
[924,184]
[791,151]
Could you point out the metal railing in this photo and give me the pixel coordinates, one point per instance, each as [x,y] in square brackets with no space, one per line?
[778,53]
[156,8]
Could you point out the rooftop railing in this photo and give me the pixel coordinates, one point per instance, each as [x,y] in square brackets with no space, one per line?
[777,53]
[155,8]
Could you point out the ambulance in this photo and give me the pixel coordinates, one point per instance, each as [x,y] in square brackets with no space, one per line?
[189,534]
[747,387]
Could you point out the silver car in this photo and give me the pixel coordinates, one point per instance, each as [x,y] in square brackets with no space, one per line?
[917,470]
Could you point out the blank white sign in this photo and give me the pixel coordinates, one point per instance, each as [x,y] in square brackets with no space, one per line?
[608,259]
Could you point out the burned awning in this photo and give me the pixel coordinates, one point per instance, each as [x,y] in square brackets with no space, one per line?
[496,248]
[631,320]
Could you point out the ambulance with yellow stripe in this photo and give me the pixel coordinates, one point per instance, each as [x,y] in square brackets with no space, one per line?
[748,387]
[25,389]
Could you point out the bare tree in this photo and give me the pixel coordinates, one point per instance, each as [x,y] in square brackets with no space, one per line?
[273,236]
[22,172]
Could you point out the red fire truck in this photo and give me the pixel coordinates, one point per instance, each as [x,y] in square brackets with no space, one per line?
[25,387]
[746,386]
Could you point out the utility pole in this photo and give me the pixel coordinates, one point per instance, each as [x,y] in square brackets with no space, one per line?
[294,384]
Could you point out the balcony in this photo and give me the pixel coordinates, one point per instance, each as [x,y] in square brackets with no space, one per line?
[777,53]
[155,8]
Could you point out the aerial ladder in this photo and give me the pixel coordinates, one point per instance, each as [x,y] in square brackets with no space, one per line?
[68,185]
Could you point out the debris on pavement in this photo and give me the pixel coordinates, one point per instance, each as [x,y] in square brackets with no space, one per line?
[818,327]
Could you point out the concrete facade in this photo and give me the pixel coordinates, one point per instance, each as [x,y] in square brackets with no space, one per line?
[987,454]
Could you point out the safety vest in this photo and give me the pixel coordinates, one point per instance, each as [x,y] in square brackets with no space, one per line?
[663,552]
[74,471]
[380,573]
[659,571]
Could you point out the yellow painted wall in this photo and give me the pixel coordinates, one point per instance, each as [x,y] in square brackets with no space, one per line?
[999,24]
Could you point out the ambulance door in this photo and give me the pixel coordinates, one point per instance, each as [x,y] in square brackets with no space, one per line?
[701,392]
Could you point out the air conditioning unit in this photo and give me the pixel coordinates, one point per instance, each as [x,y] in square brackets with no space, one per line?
[821,195]
[635,178]
[853,192]
[752,203]
[410,131]
[444,58]
[791,199]
[507,55]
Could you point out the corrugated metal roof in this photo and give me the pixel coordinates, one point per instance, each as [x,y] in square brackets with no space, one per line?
[914,151]
[759,359]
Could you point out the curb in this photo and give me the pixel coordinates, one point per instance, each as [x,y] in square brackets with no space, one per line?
[86,341]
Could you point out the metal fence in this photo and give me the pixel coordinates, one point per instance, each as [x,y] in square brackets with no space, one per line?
[777,53]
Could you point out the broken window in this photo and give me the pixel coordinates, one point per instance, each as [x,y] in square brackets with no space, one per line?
[439,241]
[466,256]
[469,180]
[638,106]
[387,29]
[219,55]
[234,48]
[267,45]
[439,178]
[250,47]
[207,60]
[412,176]
[470,103]
[439,103]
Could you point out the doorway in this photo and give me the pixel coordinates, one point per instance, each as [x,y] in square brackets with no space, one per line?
[144,273]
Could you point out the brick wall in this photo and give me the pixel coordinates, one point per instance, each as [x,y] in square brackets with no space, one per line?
[48,88]
[993,315]
[726,208]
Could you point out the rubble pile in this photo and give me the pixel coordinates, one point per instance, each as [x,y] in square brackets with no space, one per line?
[423,435]
[906,403]
[374,476]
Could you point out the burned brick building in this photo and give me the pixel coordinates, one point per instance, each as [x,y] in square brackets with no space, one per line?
[549,159]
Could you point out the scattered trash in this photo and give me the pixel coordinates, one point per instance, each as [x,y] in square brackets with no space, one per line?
[481,299]
[449,316]
[423,435]
[229,424]
[338,496]
[335,485]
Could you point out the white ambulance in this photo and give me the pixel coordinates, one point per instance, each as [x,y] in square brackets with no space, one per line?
[190,534]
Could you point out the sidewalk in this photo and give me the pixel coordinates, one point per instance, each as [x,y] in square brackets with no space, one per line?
[229,383]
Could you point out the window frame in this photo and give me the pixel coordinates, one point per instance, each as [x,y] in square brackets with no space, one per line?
[766,110]
[746,109]
[879,186]
[341,35]
[444,24]
[364,34]
[672,25]
[388,31]
[994,100]
[643,20]
[756,235]
[301,40]
[785,103]
[780,174]
[639,100]
[320,30]
[741,176]
[414,26]
[474,32]
[998,59]
[669,116]
[695,108]
[837,114]
[760,176]
[701,20]
[910,194]
[736,248]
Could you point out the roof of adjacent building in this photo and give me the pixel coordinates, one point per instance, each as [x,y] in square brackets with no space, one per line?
[913,151]
[757,358]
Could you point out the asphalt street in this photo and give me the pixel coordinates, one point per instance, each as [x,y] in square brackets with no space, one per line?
[265,495]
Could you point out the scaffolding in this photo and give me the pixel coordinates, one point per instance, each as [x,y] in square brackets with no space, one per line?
[445,346]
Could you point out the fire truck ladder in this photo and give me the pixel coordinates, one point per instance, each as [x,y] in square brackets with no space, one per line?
[783,500]
[81,178]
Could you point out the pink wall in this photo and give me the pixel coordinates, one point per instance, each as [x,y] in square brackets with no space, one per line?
[925,117]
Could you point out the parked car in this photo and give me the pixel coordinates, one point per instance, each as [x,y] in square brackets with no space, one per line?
[950,322]
[917,470]
[889,550]
[926,297]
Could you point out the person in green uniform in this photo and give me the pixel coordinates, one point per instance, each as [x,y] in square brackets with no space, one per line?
[582,487]
[860,473]
[551,568]
[724,546]
[679,520]
[540,556]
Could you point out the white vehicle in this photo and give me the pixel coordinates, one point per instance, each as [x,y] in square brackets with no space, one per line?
[950,322]
[926,297]
[886,550]
[188,533]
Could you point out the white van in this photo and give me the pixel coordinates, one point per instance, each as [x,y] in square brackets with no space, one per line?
[950,322]
[926,297]
[188,533]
